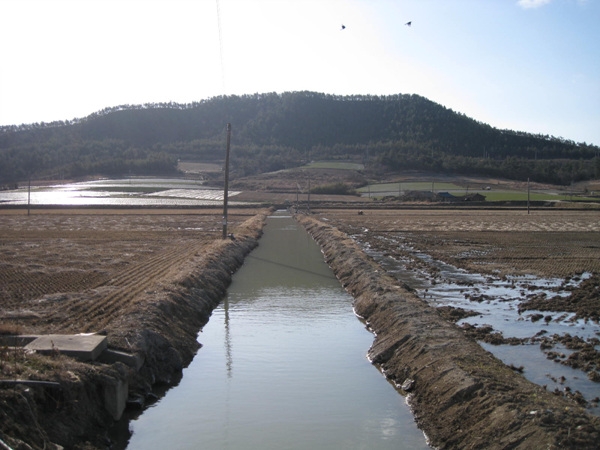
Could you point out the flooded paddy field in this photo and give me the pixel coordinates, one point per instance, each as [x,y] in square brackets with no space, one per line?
[525,286]
[133,192]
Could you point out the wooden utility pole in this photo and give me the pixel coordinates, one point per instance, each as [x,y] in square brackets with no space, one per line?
[226,187]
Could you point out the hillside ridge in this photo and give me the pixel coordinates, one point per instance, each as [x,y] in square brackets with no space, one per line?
[277,131]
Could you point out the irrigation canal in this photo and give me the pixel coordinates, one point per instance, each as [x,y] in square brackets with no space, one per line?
[283,365]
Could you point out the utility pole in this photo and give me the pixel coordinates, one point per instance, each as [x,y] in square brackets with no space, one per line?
[226,187]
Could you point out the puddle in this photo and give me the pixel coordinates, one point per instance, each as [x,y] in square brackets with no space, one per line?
[545,372]
[496,303]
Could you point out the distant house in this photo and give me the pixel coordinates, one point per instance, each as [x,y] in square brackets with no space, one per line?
[476,197]
[446,197]
[428,196]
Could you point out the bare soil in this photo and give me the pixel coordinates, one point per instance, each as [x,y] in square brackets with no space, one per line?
[548,243]
[75,272]
[298,180]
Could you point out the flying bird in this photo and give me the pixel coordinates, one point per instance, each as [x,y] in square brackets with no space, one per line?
[343,27]
[408,23]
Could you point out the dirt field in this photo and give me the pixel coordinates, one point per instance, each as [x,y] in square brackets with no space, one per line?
[547,243]
[51,257]
[74,271]
[504,243]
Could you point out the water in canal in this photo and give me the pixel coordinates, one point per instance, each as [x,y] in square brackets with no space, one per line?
[283,365]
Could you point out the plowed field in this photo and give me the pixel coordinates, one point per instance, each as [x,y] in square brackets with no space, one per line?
[506,242]
[75,271]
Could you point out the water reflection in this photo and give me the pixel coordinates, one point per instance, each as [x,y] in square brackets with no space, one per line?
[543,371]
[125,192]
[283,366]
[228,358]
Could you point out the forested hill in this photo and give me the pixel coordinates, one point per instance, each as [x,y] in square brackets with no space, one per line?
[276,131]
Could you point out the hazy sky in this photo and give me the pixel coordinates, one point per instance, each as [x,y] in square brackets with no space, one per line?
[527,65]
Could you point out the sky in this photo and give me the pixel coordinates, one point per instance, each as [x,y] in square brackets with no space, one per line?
[525,65]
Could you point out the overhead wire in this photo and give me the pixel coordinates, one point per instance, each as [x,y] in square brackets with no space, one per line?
[221,47]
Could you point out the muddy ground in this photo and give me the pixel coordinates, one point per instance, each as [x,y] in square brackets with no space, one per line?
[545,243]
[148,279]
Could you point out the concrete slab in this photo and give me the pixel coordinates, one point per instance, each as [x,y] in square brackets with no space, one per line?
[85,347]
[110,356]
[115,397]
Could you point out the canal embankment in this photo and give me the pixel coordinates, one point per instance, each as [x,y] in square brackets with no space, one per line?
[460,394]
[282,365]
[163,330]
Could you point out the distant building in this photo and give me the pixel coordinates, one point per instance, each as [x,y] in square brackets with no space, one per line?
[447,197]
[428,196]
[474,198]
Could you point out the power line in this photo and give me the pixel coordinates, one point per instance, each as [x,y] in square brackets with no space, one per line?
[221,46]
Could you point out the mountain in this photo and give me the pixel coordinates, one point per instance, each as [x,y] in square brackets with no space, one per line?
[275,131]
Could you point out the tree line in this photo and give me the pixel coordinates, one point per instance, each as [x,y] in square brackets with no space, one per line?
[276,131]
